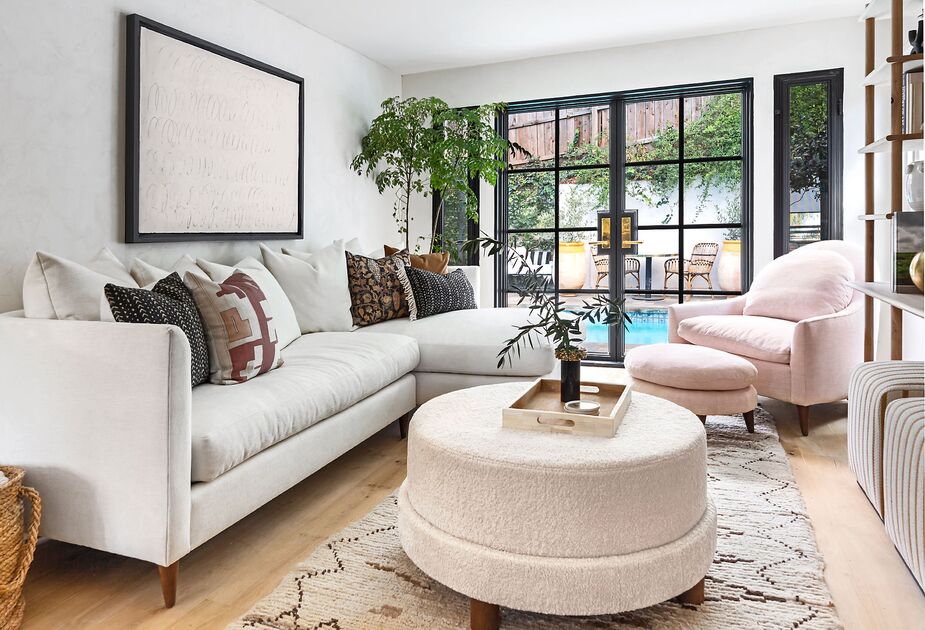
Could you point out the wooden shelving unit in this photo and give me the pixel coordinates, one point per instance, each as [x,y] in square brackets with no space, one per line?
[897,144]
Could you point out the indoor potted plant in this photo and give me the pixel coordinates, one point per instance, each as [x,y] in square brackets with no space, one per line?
[422,145]
[550,318]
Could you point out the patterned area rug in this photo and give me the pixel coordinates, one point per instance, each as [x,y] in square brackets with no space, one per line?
[767,572]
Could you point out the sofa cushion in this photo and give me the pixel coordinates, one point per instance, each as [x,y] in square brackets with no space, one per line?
[468,342]
[323,374]
[800,286]
[762,338]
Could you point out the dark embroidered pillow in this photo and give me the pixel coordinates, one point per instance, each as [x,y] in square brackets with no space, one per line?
[168,302]
[376,292]
[430,293]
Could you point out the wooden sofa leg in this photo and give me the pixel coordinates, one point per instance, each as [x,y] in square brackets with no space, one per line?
[403,423]
[169,575]
[749,420]
[803,412]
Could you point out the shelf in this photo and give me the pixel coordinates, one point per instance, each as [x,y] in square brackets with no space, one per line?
[881,74]
[909,302]
[880,9]
[876,217]
[911,142]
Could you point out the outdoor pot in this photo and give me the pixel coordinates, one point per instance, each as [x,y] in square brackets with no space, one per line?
[729,267]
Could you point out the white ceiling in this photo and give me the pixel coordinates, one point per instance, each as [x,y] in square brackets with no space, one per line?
[411,36]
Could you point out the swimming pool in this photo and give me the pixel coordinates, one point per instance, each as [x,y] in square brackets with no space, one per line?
[647,327]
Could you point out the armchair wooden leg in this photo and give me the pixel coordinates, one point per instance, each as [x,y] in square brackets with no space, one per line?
[403,423]
[749,420]
[803,412]
[169,575]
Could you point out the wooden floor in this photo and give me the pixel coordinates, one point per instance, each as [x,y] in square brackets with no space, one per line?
[74,587]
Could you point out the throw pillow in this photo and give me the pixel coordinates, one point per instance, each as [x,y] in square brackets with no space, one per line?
[316,285]
[429,262]
[239,327]
[287,326]
[799,287]
[168,302]
[430,293]
[57,288]
[145,273]
[376,292]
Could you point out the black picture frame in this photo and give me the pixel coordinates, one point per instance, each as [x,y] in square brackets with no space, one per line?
[134,25]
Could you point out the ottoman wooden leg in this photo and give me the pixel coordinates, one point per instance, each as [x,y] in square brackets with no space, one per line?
[483,616]
[749,420]
[693,595]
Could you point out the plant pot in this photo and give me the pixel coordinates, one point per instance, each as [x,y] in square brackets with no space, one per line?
[573,265]
[571,380]
[729,267]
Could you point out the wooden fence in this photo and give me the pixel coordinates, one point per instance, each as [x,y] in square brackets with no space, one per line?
[536,131]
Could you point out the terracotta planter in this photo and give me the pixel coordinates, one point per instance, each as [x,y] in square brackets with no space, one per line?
[573,265]
[729,267]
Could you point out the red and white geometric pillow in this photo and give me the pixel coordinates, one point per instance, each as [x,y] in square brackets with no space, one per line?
[239,326]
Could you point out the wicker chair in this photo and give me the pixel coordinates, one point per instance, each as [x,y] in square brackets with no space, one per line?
[699,266]
[602,265]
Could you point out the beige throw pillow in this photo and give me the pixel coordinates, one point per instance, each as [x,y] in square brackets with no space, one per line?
[239,327]
[147,274]
[58,288]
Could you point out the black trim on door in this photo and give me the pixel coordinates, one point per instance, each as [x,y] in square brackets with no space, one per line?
[831,205]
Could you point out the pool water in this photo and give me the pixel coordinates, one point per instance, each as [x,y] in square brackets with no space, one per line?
[647,327]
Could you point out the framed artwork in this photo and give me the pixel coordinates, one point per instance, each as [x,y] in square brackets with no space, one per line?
[213,141]
[628,232]
[908,240]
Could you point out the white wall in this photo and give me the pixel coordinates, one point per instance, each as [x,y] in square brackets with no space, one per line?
[759,54]
[61,117]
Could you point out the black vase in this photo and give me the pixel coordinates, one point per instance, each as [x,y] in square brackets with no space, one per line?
[571,380]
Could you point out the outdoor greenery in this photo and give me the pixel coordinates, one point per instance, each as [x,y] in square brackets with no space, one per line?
[550,318]
[809,140]
[422,145]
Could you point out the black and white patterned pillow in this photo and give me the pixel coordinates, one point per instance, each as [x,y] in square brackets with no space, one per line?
[430,293]
[168,302]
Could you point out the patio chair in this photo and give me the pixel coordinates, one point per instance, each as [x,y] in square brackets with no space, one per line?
[699,265]
[602,265]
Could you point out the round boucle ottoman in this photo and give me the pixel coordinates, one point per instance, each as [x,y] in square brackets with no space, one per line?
[552,523]
[704,380]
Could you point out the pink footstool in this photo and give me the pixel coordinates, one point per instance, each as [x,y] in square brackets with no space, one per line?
[704,380]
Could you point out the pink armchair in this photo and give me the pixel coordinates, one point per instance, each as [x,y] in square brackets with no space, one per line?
[803,362]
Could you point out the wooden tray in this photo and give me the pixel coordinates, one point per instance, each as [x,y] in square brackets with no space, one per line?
[540,409]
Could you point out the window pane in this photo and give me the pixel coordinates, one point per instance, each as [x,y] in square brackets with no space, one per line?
[535,133]
[713,126]
[809,162]
[531,200]
[576,260]
[455,226]
[653,191]
[534,255]
[582,195]
[714,259]
[652,130]
[649,319]
[713,192]
[583,135]
[655,250]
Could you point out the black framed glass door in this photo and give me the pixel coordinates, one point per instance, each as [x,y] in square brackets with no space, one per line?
[676,171]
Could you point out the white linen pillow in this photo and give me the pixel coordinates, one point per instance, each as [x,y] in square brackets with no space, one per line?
[284,319]
[58,288]
[316,285]
[146,273]
[354,246]
[799,287]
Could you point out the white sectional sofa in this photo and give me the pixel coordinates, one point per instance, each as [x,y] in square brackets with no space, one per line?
[130,459]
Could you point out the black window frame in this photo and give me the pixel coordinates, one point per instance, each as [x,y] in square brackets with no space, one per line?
[831,210]
[617,165]
[470,258]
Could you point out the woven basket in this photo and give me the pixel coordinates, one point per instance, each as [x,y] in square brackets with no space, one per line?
[15,551]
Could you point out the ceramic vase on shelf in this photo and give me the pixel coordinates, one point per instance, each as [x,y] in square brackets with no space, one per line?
[914,185]
[917,271]
[729,267]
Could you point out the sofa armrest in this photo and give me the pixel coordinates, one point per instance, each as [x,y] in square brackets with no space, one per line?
[679,312]
[98,414]
[824,352]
